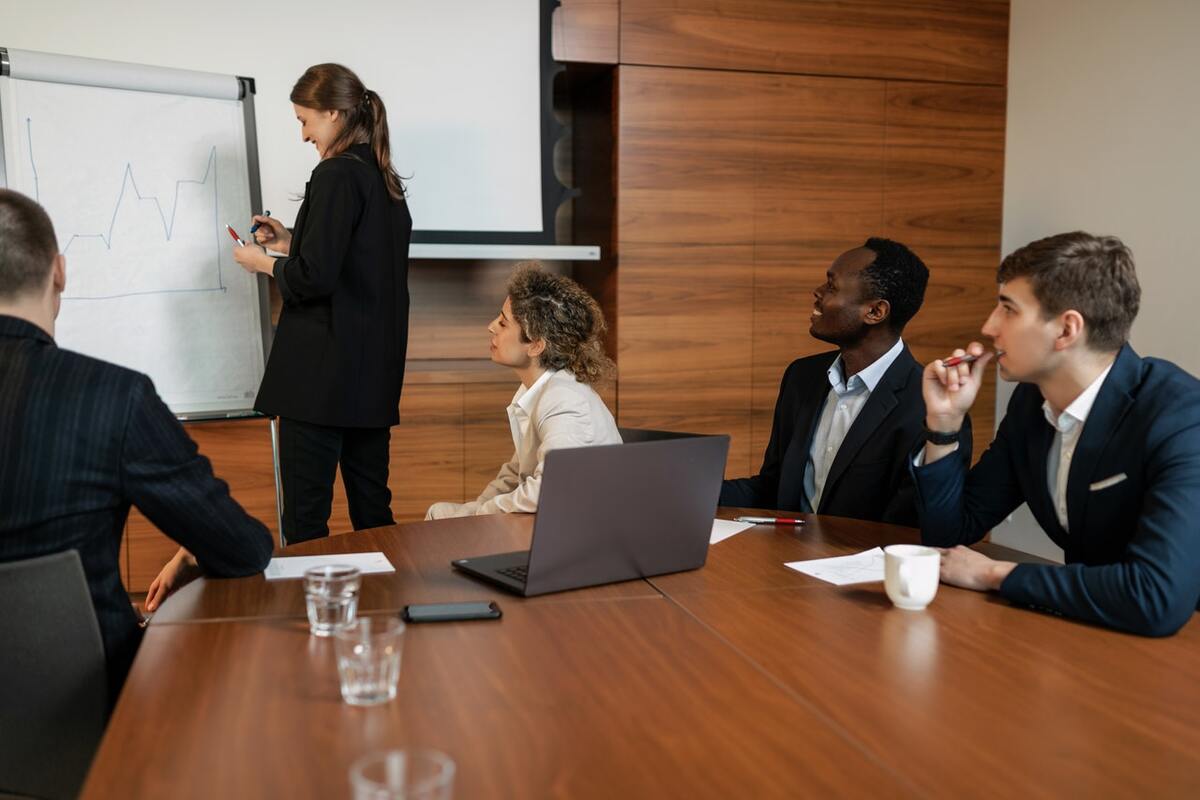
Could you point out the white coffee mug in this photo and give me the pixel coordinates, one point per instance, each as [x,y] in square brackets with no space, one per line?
[911,574]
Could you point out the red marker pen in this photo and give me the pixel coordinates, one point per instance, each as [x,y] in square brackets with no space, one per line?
[954,361]
[233,233]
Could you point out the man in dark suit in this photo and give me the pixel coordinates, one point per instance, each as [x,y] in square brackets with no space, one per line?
[81,440]
[846,420]
[1102,444]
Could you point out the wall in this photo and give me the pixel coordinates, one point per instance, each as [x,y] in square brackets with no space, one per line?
[758,140]
[1103,131]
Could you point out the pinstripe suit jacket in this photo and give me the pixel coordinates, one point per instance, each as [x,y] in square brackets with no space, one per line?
[81,440]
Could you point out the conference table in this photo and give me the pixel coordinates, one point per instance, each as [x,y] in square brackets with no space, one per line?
[741,679]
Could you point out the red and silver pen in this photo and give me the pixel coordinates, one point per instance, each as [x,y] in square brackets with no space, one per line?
[954,361]
[770,520]
[233,233]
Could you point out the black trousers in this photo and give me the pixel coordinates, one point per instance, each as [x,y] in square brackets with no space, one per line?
[309,456]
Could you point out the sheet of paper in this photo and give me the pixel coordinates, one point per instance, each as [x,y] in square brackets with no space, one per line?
[722,529]
[294,566]
[864,567]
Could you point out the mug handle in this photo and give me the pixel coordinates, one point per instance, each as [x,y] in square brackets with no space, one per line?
[905,576]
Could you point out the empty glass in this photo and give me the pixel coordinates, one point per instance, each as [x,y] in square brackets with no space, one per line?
[368,658]
[403,775]
[331,596]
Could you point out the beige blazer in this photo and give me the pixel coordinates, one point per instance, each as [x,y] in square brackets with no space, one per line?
[558,411]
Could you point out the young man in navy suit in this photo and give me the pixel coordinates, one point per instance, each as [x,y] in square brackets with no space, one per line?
[81,440]
[846,420]
[1102,444]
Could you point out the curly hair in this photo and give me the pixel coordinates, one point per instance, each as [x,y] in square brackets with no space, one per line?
[559,311]
[898,276]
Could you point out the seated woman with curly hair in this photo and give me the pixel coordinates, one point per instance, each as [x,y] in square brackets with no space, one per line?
[549,331]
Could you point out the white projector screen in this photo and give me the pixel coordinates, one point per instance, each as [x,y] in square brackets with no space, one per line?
[464,83]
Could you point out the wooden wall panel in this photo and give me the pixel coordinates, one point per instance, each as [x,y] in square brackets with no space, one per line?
[943,197]
[685,158]
[587,31]
[819,192]
[487,437]
[427,449]
[962,41]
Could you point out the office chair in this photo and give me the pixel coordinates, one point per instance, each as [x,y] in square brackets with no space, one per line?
[53,687]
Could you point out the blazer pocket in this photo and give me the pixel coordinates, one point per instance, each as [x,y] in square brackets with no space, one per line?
[1107,482]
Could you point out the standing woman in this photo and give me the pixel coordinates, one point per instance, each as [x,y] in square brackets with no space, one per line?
[337,362]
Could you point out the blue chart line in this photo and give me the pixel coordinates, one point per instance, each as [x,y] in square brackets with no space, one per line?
[127,179]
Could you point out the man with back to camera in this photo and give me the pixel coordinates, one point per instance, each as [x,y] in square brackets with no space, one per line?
[82,439]
[1102,444]
[847,420]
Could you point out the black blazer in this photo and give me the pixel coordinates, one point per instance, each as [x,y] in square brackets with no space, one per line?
[869,478]
[1133,500]
[338,354]
[80,440]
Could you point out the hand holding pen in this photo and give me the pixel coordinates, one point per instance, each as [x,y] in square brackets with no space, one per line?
[270,233]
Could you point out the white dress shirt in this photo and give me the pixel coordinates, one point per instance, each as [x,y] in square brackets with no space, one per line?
[1068,426]
[842,406]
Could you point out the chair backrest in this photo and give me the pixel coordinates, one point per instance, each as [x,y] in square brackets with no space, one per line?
[53,688]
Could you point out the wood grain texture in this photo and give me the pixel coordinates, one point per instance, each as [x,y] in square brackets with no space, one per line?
[943,195]
[931,40]
[573,700]
[427,449]
[975,697]
[487,436]
[421,552]
[587,31]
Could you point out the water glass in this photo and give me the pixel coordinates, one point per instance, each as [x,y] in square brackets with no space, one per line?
[403,775]
[331,595]
[368,658]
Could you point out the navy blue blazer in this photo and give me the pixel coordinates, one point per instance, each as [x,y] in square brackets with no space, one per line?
[1133,500]
[869,478]
[82,439]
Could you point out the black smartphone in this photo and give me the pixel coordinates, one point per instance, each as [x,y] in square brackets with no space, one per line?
[449,612]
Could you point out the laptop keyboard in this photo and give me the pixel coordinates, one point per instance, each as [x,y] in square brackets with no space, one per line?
[516,573]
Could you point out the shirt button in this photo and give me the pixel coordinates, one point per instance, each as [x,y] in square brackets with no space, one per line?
[828,449]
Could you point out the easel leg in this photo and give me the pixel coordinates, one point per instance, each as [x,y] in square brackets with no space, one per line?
[278,480]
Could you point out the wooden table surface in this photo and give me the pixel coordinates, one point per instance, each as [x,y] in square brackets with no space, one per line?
[742,679]
[421,552]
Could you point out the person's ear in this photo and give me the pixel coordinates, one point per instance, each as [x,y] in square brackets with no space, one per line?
[58,273]
[877,312]
[1071,329]
[535,348]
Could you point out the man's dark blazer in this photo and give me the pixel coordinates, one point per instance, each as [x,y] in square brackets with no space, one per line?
[869,478]
[1133,500]
[339,350]
[81,439]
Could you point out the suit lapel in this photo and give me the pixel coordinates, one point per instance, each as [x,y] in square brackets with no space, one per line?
[879,404]
[813,392]
[1110,407]
[1040,498]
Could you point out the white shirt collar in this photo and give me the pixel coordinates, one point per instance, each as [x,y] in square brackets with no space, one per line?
[870,376]
[524,398]
[1081,406]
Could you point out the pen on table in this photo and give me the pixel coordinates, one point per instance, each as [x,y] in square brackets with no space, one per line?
[770,520]
[258,225]
[233,233]
[954,361]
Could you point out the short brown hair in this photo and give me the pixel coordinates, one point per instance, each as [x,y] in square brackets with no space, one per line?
[558,310]
[1093,275]
[27,244]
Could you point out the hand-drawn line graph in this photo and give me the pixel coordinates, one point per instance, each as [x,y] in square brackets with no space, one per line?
[127,180]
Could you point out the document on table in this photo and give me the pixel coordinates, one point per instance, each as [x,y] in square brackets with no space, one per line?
[294,566]
[864,567]
[722,529]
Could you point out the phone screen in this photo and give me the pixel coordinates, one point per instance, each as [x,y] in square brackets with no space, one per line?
[442,612]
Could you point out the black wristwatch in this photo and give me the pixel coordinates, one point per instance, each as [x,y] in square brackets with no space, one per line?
[942,437]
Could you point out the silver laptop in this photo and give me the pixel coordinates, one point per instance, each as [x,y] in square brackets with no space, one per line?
[615,513]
